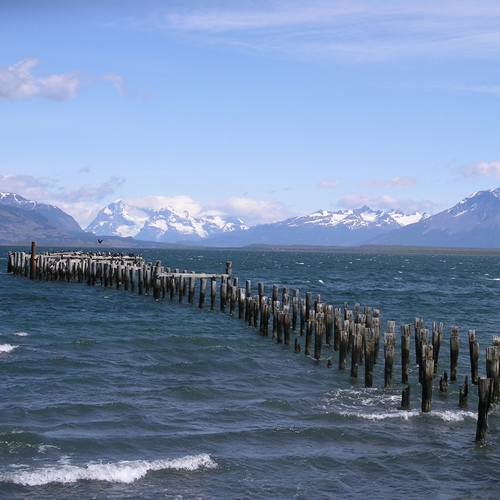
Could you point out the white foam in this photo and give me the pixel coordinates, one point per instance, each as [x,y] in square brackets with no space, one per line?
[124,471]
[21,334]
[400,414]
[7,347]
[454,416]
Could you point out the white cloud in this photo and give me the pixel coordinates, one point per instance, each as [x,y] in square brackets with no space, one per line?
[25,185]
[385,202]
[480,169]
[181,203]
[82,212]
[117,81]
[251,211]
[88,193]
[350,30]
[323,184]
[17,82]
[487,89]
[395,182]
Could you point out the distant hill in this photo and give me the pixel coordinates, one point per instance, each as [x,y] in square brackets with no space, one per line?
[473,222]
[53,214]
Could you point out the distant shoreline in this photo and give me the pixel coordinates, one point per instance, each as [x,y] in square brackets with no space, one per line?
[362,249]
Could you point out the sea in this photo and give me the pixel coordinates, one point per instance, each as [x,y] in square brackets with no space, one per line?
[107,394]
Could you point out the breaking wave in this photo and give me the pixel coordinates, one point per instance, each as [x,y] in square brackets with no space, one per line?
[124,471]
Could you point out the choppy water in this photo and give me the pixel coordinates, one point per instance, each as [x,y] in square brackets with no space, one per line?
[107,394]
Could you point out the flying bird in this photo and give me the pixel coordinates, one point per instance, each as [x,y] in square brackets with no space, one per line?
[99,241]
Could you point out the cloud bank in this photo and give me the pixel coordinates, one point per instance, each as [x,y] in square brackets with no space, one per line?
[356,30]
[385,202]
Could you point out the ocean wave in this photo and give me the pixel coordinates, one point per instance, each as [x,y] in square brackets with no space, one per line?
[7,347]
[124,471]
[400,414]
[21,334]
[454,416]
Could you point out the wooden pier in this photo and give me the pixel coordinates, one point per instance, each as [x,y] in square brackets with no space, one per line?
[353,333]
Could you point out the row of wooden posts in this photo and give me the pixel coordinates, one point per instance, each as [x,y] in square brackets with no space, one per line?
[350,332]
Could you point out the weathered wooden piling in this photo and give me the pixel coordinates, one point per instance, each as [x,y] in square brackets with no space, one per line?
[389,341]
[474,356]
[369,346]
[376,333]
[33,261]
[423,339]
[454,345]
[405,352]
[427,362]
[437,336]
[357,346]
[463,394]
[302,316]
[274,295]
[286,328]
[279,330]
[343,346]
[485,389]
[248,295]
[309,334]
[295,308]
[213,293]
[492,370]
[241,303]
[256,309]
[203,291]
[318,336]
[418,324]
[405,398]
[337,327]
[443,383]
[260,291]
[191,289]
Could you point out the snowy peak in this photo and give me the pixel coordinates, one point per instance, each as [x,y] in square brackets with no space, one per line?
[363,217]
[165,225]
[117,219]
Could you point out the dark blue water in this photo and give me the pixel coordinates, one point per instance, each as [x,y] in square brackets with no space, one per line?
[108,394]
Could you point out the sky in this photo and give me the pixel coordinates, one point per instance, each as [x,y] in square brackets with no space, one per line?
[261,110]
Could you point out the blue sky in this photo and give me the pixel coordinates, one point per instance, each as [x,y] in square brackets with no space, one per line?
[258,109]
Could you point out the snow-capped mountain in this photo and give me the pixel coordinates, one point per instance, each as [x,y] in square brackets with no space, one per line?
[118,219]
[342,228]
[473,222]
[53,214]
[166,225]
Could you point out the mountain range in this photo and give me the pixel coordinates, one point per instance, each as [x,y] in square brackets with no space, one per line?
[474,222]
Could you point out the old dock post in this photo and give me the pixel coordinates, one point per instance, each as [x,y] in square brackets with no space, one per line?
[454,344]
[427,376]
[405,352]
[389,341]
[474,356]
[485,389]
[33,261]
